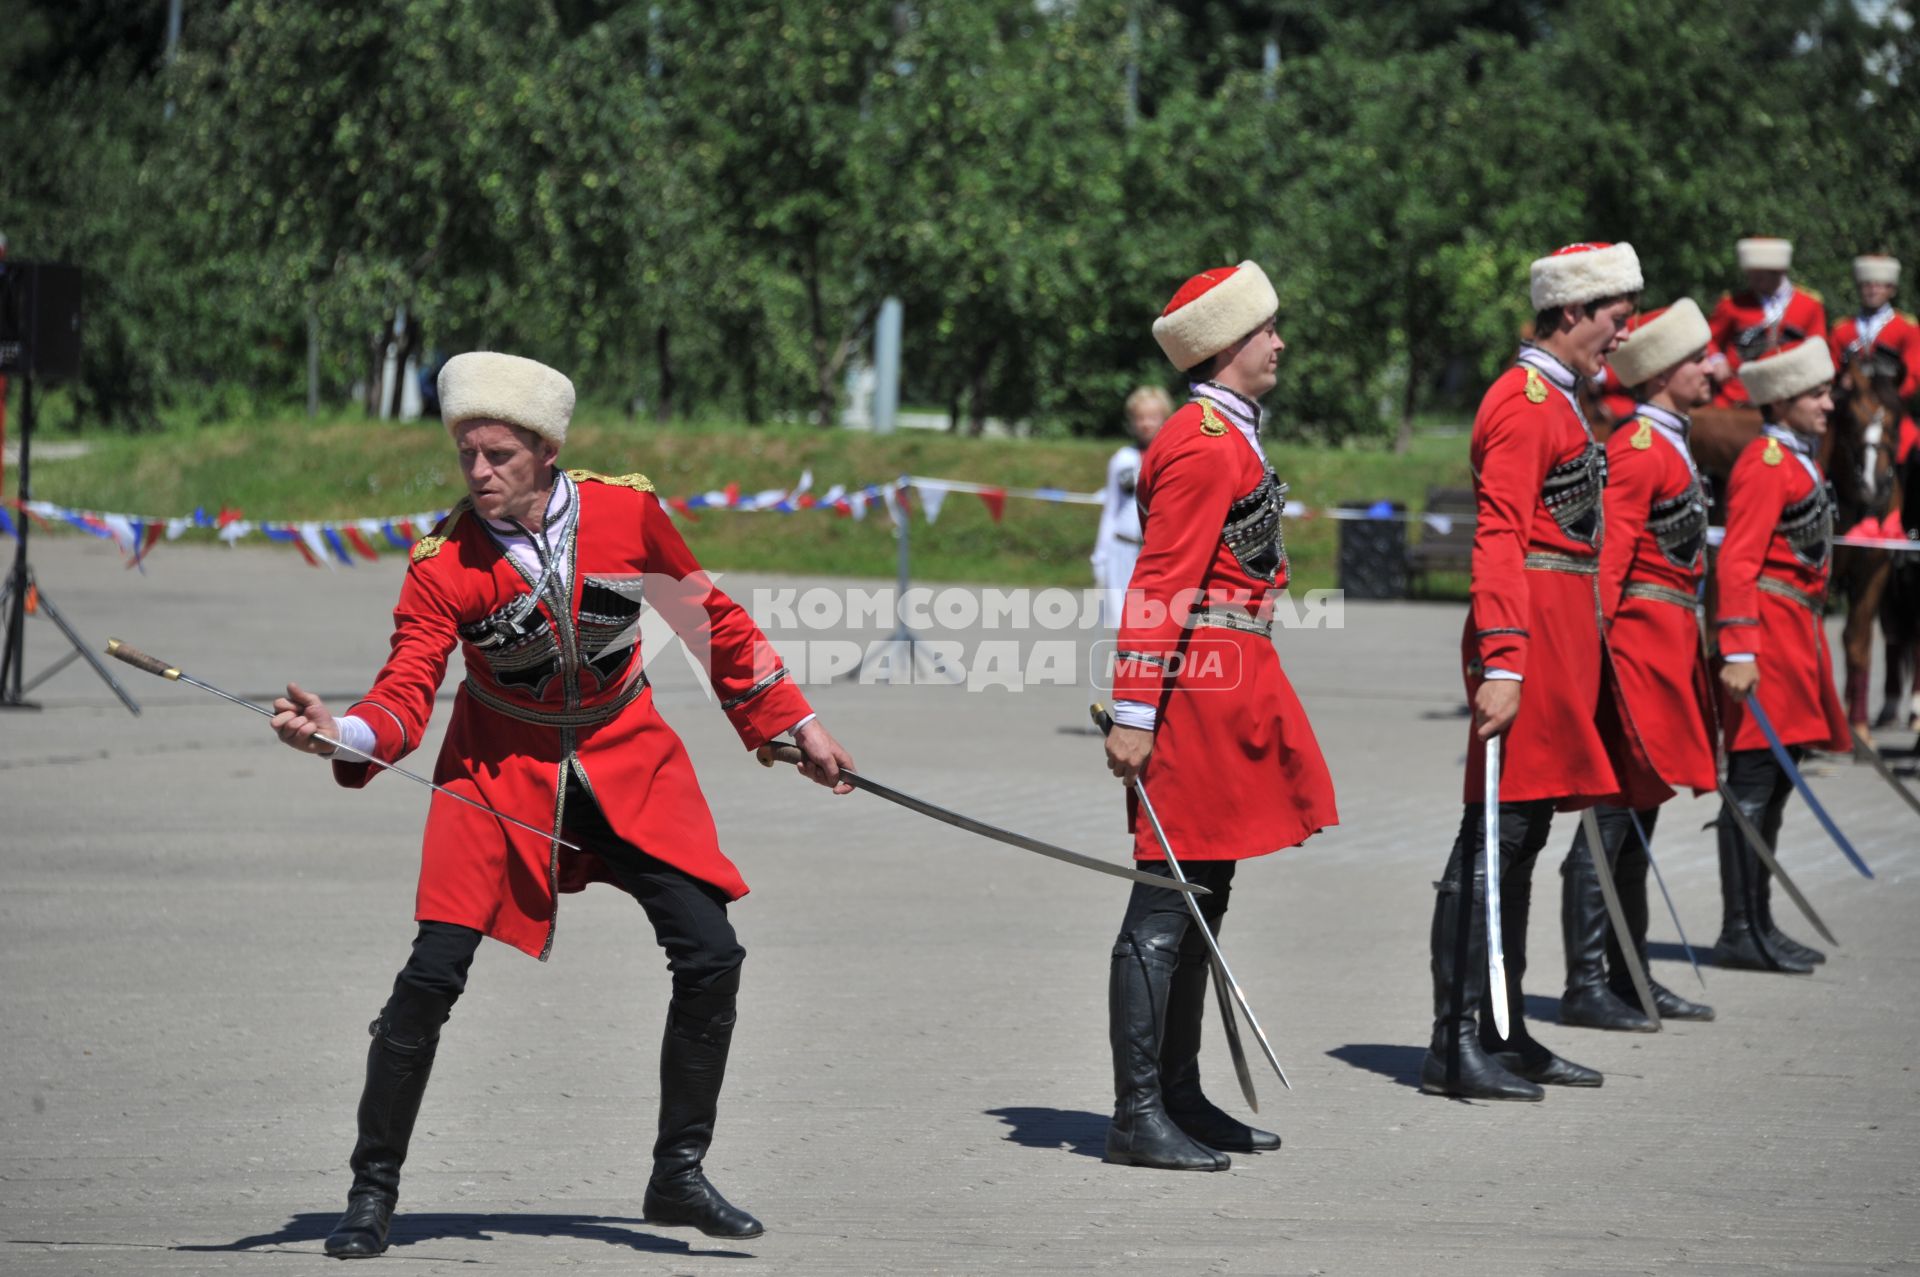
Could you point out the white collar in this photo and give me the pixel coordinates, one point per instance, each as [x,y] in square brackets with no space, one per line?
[1673,425]
[559,511]
[1246,415]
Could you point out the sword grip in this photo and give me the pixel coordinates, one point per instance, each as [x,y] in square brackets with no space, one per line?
[779,752]
[1101,719]
[120,650]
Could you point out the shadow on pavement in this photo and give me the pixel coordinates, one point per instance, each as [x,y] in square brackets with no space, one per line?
[1389,1060]
[1071,1129]
[1670,951]
[413,1227]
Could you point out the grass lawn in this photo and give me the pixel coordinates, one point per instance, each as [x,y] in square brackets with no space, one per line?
[347,467]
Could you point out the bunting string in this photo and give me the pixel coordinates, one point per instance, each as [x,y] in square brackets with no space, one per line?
[345,542]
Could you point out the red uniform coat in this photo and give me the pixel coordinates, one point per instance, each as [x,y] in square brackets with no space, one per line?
[1235,770]
[1537,481]
[1779,530]
[1740,331]
[572,662]
[1656,543]
[1900,334]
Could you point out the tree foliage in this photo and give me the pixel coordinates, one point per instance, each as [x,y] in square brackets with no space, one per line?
[697,205]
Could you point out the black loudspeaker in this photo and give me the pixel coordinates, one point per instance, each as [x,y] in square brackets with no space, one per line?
[40,320]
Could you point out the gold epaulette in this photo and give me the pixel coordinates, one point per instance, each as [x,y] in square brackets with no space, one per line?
[1908,316]
[428,546]
[1772,453]
[638,482]
[1536,387]
[1811,293]
[1643,437]
[1212,424]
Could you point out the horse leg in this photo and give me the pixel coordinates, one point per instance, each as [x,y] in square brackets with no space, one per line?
[1865,590]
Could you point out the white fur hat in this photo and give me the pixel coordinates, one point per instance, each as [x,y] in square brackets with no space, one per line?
[1765,254]
[1585,273]
[1662,340]
[486,385]
[1787,373]
[1876,270]
[1213,310]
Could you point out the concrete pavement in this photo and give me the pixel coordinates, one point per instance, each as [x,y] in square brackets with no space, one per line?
[196,926]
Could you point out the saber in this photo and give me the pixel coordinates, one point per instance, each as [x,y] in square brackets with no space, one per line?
[1760,849]
[1224,985]
[1629,952]
[1496,944]
[1646,845]
[1781,756]
[785,752]
[1863,747]
[153,665]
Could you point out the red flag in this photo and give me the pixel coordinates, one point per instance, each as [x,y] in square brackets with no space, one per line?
[732,494]
[843,508]
[300,544]
[405,528]
[996,501]
[358,541]
[806,501]
[227,515]
[685,511]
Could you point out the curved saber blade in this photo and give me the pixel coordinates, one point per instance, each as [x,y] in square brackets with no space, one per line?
[1220,971]
[785,752]
[1629,952]
[140,660]
[1646,845]
[1496,946]
[1863,747]
[1781,756]
[1760,849]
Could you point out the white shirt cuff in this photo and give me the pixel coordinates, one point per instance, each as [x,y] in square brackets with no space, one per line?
[794,731]
[1736,658]
[354,735]
[1502,676]
[1136,714]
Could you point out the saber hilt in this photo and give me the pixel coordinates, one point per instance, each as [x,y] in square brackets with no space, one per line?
[120,649]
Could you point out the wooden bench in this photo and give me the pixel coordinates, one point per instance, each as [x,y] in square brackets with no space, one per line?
[1436,551]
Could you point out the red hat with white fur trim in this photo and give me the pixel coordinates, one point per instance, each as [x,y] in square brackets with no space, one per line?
[1582,273]
[1785,373]
[1213,310]
[487,385]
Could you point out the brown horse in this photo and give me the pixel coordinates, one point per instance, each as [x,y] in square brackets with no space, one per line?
[1857,454]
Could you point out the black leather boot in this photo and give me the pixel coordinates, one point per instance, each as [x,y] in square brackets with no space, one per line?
[1455,1064]
[1180,1091]
[1519,1052]
[693,1065]
[405,1037]
[1143,1133]
[1589,1001]
[1778,940]
[1742,944]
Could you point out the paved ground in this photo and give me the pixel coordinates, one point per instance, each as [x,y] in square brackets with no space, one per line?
[196,926]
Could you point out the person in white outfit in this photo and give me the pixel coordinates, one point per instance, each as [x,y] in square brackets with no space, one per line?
[1117,544]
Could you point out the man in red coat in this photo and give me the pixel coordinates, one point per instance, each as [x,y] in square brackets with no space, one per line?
[1879,327]
[1652,562]
[1205,715]
[540,576]
[1771,583]
[1535,668]
[1768,314]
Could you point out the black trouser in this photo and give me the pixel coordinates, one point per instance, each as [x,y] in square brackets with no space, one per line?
[1160,912]
[689,920]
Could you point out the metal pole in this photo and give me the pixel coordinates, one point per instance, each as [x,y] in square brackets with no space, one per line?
[14,659]
[886,365]
[313,362]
